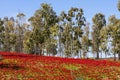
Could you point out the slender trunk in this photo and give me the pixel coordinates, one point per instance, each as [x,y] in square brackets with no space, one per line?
[101,54]
[49,54]
[19,39]
[80,54]
[97,55]
[0,47]
[118,56]
[61,55]
[60,49]
[43,49]
[41,52]
[46,52]
[105,55]
[94,55]
[114,57]
[39,49]
[35,49]
[59,40]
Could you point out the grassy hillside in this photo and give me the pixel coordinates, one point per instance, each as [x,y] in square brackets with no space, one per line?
[18,66]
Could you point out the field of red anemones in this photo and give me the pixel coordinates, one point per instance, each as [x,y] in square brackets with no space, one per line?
[19,66]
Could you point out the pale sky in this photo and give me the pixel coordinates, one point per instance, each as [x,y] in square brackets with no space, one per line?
[28,7]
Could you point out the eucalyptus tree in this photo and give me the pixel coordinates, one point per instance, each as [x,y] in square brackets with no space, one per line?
[64,34]
[95,40]
[104,40]
[27,32]
[66,40]
[114,34]
[78,21]
[85,41]
[10,31]
[6,34]
[20,31]
[52,48]
[118,31]
[1,34]
[36,37]
[9,36]
[43,20]
[61,25]
[26,43]
[98,22]
[72,23]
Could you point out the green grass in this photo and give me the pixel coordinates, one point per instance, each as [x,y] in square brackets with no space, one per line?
[70,67]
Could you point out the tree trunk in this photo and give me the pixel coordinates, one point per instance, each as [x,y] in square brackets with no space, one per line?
[80,54]
[118,56]
[0,47]
[105,55]
[35,49]
[101,54]
[41,48]
[97,55]
[114,57]
[46,52]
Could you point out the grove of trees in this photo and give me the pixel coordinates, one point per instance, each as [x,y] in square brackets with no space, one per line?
[67,34]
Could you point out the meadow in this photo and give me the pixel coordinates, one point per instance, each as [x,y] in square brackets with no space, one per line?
[19,66]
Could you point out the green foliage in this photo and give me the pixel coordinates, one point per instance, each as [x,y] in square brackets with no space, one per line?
[98,23]
[118,5]
[84,78]
[1,32]
[71,24]
[114,33]
[70,67]
[44,28]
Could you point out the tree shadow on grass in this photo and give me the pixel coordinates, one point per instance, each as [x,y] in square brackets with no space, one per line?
[10,66]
